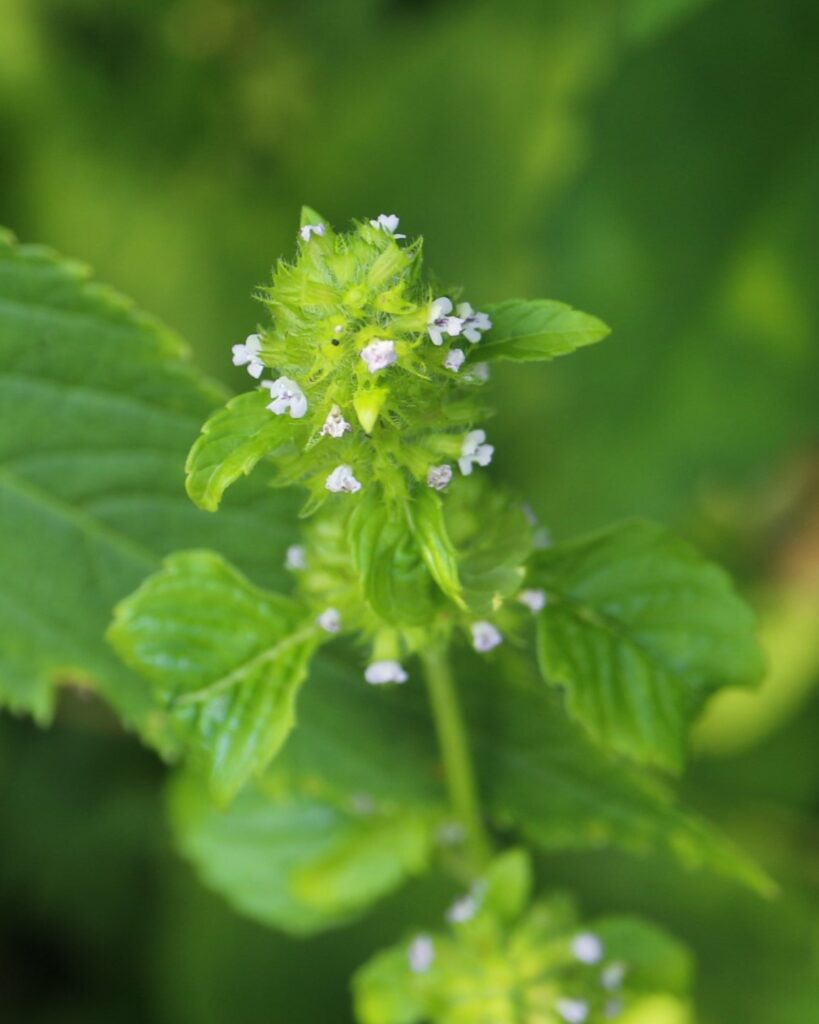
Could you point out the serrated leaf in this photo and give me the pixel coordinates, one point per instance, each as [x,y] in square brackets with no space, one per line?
[232,441]
[538,775]
[295,862]
[225,658]
[639,628]
[426,516]
[98,408]
[394,578]
[539,329]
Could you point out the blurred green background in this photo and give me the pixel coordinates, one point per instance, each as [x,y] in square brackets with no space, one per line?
[654,162]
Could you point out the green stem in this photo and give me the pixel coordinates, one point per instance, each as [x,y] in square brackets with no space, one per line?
[460,778]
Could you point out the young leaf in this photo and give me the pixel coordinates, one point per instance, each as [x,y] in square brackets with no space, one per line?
[98,408]
[226,660]
[427,522]
[538,329]
[295,862]
[232,441]
[639,628]
[395,580]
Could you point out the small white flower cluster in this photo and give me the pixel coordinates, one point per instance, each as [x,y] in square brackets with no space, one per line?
[248,355]
[468,322]
[330,620]
[587,948]
[287,397]
[468,905]
[485,636]
[534,599]
[342,481]
[379,354]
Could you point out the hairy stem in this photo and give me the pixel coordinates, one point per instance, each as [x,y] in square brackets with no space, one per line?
[460,778]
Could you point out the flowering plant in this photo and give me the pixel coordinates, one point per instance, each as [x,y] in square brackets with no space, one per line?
[369,393]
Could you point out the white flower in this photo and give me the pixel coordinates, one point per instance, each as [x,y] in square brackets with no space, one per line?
[330,620]
[287,397]
[248,355]
[613,974]
[587,948]
[477,372]
[473,322]
[439,476]
[335,425]
[387,222]
[573,1011]
[485,636]
[295,558]
[421,954]
[379,354]
[535,600]
[451,833]
[455,359]
[378,672]
[463,909]
[342,479]
[311,229]
[439,322]
[475,451]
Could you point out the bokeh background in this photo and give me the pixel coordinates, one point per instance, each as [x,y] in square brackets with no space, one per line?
[651,161]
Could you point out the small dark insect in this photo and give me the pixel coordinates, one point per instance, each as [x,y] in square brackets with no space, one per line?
[334,341]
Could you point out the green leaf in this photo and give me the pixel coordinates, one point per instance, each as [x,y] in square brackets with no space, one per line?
[655,961]
[310,216]
[226,660]
[231,443]
[639,628]
[394,578]
[295,862]
[538,775]
[98,408]
[427,522]
[538,329]
[493,539]
[508,885]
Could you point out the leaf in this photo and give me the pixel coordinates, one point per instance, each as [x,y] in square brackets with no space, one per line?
[656,962]
[297,863]
[538,776]
[226,660]
[427,522]
[394,578]
[493,539]
[232,441]
[640,629]
[537,329]
[98,408]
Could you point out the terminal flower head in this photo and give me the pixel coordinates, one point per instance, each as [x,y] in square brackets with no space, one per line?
[342,480]
[379,672]
[474,323]
[388,223]
[247,355]
[287,397]
[379,354]
[440,322]
[307,230]
[475,451]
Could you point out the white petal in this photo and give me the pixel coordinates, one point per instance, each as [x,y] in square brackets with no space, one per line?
[462,910]
[453,326]
[379,354]
[455,359]
[421,954]
[472,335]
[587,948]
[435,334]
[295,558]
[534,599]
[298,406]
[256,368]
[573,1011]
[465,311]
[330,620]
[485,636]
[440,307]
[379,672]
